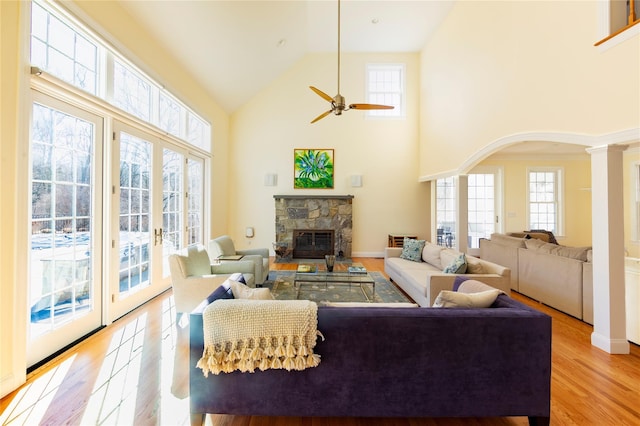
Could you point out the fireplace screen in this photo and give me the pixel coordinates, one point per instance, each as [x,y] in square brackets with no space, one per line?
[312,243]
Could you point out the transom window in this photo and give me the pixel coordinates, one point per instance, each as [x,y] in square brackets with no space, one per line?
[66,51]
[62,51]
[385,86]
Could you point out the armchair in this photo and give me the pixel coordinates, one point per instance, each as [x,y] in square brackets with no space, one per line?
[223,246]
[193,277]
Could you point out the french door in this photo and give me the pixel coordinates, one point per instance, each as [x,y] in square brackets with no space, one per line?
[157,210]
[484,201]
[137,237]
[99,244]
[65,256]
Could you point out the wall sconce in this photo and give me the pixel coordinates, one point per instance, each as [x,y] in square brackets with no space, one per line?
[248,232]
[271,179]
[356,181]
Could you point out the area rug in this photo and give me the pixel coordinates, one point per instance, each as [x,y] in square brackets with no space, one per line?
[281,285]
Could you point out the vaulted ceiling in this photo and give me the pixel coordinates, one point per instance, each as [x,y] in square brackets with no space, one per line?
[236,48]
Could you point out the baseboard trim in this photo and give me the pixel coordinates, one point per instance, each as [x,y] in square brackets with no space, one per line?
[612,346]
[368,254]
[9,383]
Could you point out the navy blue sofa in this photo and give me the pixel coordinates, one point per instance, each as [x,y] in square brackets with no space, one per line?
[396,362]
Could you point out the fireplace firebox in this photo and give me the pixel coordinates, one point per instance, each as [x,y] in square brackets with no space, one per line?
[313,243]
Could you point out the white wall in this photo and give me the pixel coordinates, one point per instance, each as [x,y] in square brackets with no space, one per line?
[495,69]
[265,132]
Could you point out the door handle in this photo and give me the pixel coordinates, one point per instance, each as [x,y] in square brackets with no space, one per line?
[157,234]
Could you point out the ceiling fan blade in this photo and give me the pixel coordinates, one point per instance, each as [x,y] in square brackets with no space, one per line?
[369,106]
[322,94]
[321,116]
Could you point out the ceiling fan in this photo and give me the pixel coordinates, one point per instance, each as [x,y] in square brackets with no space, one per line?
[338,104]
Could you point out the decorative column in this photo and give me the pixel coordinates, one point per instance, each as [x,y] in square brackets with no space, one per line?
[609,319]
[462,207]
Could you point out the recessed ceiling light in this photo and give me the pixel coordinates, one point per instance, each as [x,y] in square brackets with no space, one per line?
[375,21]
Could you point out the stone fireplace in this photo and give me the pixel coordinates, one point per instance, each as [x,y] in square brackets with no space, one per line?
[317,221]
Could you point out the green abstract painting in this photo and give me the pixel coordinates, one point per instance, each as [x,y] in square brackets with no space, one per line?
[313,168]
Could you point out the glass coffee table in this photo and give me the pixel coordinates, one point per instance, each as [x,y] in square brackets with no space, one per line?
[354,274]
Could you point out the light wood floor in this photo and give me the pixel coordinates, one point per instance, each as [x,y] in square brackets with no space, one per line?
[128,374]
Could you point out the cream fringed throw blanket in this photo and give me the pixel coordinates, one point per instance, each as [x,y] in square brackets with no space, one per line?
[245,335]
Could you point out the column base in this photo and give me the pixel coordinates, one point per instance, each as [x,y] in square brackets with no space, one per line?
[612,346]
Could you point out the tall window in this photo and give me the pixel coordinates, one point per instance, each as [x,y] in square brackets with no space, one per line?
[482,211]
[544,199]
[61,218]
[172,204]
[446,211]
[385,86]
[195,201]
[135,208]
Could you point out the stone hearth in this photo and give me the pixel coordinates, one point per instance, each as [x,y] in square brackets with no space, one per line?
[316,212]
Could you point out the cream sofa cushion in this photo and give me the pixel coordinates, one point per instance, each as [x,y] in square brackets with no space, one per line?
[474,265]
[431,254]
[447,257]
[241,291]
[454,299]
[577,253]
[507,240]
[474,286]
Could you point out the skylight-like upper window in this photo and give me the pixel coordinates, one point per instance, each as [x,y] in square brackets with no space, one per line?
[385,86]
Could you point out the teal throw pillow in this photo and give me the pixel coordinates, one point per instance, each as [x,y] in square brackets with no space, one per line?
[412,249]
[458,266]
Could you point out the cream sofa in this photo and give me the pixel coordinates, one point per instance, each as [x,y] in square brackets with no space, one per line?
[424,280]
[558,276]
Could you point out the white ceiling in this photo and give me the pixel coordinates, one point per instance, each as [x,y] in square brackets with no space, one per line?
[236,48]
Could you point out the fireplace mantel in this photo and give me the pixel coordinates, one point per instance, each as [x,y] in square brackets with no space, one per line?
[320,197]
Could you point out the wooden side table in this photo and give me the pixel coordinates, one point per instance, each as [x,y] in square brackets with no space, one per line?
[397,240]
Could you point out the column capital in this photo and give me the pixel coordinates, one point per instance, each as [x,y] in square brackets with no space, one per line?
[606,148]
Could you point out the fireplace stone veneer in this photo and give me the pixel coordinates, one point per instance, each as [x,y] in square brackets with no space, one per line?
[315,212]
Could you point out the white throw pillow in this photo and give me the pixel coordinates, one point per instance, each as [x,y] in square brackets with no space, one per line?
[431,254]
[454,299]
[241,291]
[474,286]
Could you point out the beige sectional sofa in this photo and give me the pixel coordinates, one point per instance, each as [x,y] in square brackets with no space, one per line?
[558,276]
[423,280]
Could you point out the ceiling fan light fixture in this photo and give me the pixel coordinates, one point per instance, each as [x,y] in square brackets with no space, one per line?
[338,103]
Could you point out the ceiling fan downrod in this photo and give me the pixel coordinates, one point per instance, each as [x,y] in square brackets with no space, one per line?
[338,103]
